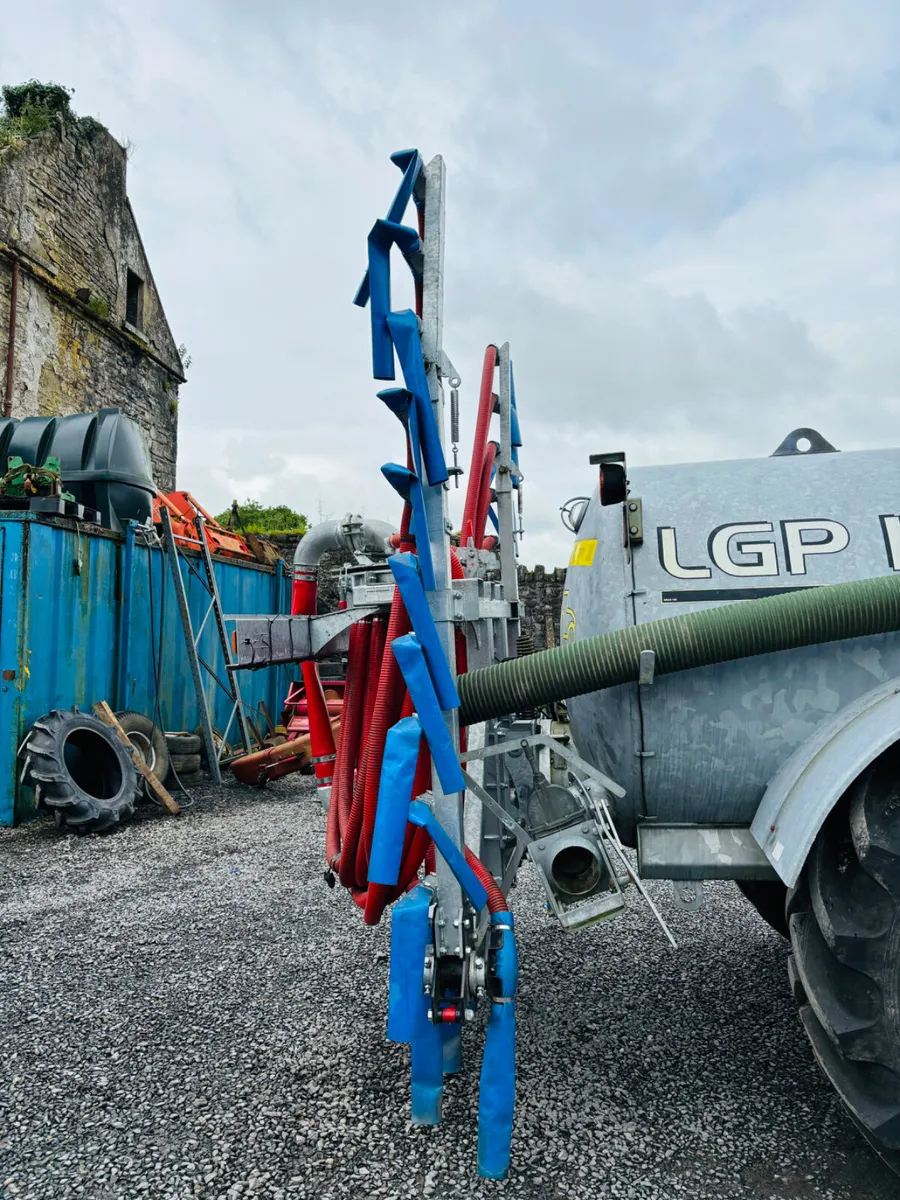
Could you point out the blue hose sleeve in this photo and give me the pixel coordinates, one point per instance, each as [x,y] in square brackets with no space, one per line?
[400,478]
[515,432]
[404,329]
[427,1069]
[383,236]
[402,403]
[407,486]
[421,814]
[410,934]
[497,1091]
[451,1036]
[411,660]
[412,590]
[398,770]
[410,163]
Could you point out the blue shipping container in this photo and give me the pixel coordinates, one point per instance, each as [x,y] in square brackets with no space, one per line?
[88,615]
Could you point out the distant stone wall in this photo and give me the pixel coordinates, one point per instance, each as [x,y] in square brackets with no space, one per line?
[540,602]
[540,592]
[66,220]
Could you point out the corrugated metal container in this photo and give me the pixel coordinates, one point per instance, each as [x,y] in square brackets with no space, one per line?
[87,616]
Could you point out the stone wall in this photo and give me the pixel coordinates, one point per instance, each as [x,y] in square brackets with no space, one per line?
[540,602]
[65,218]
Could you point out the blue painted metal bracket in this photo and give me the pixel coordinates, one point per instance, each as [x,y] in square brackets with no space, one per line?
[497,1089]
[421,814]
[404,329]
[398,771]
[406,576]
[411,660]
[410,163]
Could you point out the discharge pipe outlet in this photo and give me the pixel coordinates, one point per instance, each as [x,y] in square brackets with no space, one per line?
[721,634]
[353,534]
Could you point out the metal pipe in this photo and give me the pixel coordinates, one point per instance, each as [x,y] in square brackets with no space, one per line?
[353,533]
[11,344]
[252,768]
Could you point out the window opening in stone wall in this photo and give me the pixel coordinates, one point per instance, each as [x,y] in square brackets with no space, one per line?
[134,301]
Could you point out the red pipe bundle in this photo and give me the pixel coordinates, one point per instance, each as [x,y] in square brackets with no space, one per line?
[484,454]
[375,698]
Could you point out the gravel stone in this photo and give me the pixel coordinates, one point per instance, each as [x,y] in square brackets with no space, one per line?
[190,1012]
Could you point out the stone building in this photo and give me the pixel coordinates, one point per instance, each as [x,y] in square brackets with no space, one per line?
[81,323]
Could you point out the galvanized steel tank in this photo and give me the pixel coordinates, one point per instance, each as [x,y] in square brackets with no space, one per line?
[700,746]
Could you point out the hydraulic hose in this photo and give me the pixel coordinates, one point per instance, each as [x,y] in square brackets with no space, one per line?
[814,615]
[484,495]
[482,425]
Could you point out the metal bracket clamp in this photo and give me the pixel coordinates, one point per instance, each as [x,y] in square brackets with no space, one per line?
[478,600]
[544,739]
[647,668]
[269,641]
[634,520]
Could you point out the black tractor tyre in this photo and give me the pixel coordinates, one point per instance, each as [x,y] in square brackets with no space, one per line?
[185,764]
[192,781]
[147,737]
[79,770]
[183,743]
[768,897]
[844,918]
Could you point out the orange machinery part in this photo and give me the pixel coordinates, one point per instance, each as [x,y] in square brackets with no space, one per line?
[183,510]
[255,769]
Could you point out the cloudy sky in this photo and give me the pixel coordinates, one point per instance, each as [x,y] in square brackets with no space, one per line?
[682,215]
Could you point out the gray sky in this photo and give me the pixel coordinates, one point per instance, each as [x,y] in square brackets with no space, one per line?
[682,215]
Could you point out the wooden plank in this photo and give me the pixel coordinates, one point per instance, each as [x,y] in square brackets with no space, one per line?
[108,717]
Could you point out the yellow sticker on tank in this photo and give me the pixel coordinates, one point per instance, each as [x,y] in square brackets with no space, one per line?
[583,553]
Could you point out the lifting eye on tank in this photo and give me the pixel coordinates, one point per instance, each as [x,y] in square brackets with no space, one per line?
[613,483]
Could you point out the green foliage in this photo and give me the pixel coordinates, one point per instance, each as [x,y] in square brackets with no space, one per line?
[33,96]
[258,518]
[30,108]
[99,307]
[173,407]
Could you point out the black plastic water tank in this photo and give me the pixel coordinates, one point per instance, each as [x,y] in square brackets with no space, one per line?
[102,456]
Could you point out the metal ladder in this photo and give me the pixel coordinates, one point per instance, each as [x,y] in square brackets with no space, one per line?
[191,640]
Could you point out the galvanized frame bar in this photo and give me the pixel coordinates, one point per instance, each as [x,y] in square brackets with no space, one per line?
[194,662]
[447,809]
[232,687]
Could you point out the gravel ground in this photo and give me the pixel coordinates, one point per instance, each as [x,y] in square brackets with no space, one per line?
[188,1011]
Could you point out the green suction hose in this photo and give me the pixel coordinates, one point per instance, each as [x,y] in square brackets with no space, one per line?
[748,627]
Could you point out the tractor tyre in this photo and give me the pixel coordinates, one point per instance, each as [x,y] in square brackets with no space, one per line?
[185,764]
[196,779]
[79,770]
[844,919]
[183,743]
[147,737]
[768,897]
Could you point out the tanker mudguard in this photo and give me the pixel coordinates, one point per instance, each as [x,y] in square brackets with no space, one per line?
[808,785]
